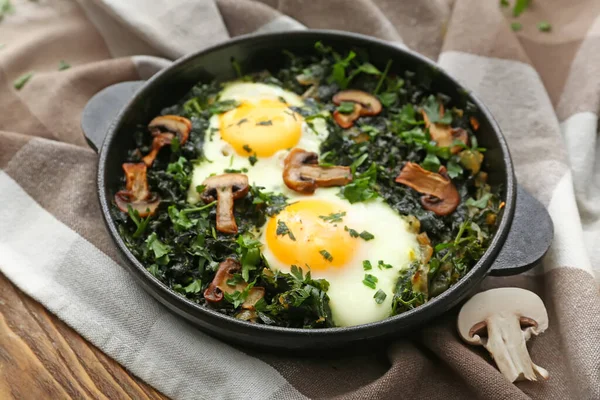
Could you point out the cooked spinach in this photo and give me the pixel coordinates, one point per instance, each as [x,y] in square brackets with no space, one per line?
[181,247]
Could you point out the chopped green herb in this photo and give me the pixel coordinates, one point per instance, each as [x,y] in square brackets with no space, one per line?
[282,230]
[235,171]
[62,65]
[366,236]
[247,148]
[383,76]
[516,26]
[519,7]
[370,281]
[346,107]
[382,265]
[220,107]
[544,26]
[326,255]
[362,188]
[140,223]
[333,217]
[194,287]
[252,159]
[367,265]
[22,80]
[481,203]
[265,123]
[353,233]
[242,121]
[379,296]
[432,109]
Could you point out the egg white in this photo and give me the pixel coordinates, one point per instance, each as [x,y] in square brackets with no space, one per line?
[267,171]
[352,302]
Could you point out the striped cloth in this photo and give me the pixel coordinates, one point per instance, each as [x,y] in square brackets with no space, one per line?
[542,87]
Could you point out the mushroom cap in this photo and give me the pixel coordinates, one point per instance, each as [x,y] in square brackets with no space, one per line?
[523,304]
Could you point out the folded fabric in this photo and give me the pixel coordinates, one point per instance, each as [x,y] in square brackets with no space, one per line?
[542,87]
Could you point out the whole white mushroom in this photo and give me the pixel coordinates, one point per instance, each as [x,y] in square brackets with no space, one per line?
[502,320]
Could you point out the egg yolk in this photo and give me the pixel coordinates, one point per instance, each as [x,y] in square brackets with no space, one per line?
[299,235]
[262,128]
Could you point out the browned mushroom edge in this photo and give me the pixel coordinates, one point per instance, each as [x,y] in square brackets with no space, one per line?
[439,193]
[370,104]
[214,292]
[159,141]
[163,129]
[444,135]
[171,123]
[302,173]
[225,189]
[136,194]
[347,120]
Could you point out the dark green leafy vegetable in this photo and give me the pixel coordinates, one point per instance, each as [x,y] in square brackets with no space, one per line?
[180,245]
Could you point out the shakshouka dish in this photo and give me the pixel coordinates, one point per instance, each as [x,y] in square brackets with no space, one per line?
[331,192]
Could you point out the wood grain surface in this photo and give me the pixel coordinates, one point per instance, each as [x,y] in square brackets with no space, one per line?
[42,358]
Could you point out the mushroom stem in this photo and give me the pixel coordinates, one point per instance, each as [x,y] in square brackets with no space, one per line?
[506,343]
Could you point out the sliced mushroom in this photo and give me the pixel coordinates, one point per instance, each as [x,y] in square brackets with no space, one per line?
[218,286]
[440,194]
[171,123]
[426,249]
[347,120]
[225,189]
[502,320]
[159,141]
[444,135]
[302,173]
[370,104]
[136,193]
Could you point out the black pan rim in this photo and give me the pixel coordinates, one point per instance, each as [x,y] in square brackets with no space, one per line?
[433,307]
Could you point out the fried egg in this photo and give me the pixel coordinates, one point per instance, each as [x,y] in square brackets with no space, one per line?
[256,136]
[342,242]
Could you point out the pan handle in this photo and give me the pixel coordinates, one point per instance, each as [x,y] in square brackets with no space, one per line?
[101,110]
[528,239]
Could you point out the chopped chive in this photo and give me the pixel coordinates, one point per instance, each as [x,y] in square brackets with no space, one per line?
[265,123]
[366,235]
[382,265]
[333,217]
[22,80]
[326,255]
[253,159]
[379,296]
[544,26]
[62,65]
[370,281]
[246,147]
[367,265]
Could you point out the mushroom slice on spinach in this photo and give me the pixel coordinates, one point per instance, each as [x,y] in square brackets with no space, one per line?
[164,129]
[347,120]
[370,105]
[444,135]
[501,320]
[136,194]
[439,193]
[181,126]
[302,173]
[222,283]
[225,189]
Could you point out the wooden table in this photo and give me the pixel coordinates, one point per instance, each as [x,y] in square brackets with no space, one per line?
[42,358]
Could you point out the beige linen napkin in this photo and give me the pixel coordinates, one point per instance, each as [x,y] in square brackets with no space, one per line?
[542,87]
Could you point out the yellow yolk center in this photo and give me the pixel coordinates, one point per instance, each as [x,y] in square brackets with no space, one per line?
[315,241]
[262,128]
